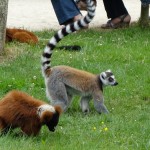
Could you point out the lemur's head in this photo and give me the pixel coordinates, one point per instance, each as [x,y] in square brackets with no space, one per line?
[108,78]
[49,115]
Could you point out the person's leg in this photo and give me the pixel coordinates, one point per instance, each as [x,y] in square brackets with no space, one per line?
[118,14]
[66,11]
[114,8]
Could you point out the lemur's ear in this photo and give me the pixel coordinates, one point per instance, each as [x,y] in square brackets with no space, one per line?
[108,70]
[58,109]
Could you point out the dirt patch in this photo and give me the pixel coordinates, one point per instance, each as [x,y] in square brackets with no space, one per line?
[39,14]
[9,54]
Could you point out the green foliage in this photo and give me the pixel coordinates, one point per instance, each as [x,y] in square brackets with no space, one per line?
[126,52]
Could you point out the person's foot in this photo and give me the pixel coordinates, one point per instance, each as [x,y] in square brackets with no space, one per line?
[119,22]
[78,17]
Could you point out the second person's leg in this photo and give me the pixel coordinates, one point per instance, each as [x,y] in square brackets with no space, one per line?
[117,13]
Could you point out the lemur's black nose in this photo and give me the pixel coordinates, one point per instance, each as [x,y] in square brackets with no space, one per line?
[52,129]
[116,83]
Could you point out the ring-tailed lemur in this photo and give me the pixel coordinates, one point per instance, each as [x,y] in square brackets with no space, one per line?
[62,82]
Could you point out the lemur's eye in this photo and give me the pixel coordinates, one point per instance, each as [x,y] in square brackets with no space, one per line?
[110,79]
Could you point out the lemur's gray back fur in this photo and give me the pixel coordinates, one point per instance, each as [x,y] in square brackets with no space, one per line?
[70,28]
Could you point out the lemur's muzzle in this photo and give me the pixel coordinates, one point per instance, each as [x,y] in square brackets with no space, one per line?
[52,129]
[116,83]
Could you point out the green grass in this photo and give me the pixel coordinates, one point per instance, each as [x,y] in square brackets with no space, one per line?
[127,127]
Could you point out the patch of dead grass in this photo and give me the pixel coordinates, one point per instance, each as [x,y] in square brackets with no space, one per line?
[9,54]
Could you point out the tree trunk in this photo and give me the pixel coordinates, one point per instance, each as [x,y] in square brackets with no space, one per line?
[3,20]
[144,19]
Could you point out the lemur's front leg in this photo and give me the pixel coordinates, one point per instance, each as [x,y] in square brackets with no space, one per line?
[99,103]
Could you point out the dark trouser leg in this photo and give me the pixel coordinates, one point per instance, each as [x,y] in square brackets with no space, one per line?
[114,8]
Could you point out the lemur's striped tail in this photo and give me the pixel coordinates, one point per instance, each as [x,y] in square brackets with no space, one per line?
[75,26]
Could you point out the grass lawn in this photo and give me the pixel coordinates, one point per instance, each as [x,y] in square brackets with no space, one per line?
[127,127]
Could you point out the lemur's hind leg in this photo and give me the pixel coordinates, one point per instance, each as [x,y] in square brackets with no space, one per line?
[84,104]
[58,94]
[69,99]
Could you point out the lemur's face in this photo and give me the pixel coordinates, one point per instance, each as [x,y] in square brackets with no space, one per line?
[49,115]
[53,122]
[108,78]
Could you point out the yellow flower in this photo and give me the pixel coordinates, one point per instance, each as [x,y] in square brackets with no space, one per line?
[94,128]
[105,129]
[102,122]
[34,77]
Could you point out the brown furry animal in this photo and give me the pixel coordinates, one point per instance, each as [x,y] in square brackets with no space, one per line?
[82,4]
[21,35]
[17,109]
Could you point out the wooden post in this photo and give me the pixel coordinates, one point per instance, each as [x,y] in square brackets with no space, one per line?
[3,20]
[144,18]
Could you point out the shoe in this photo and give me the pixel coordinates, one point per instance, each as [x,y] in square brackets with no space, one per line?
[120,22]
